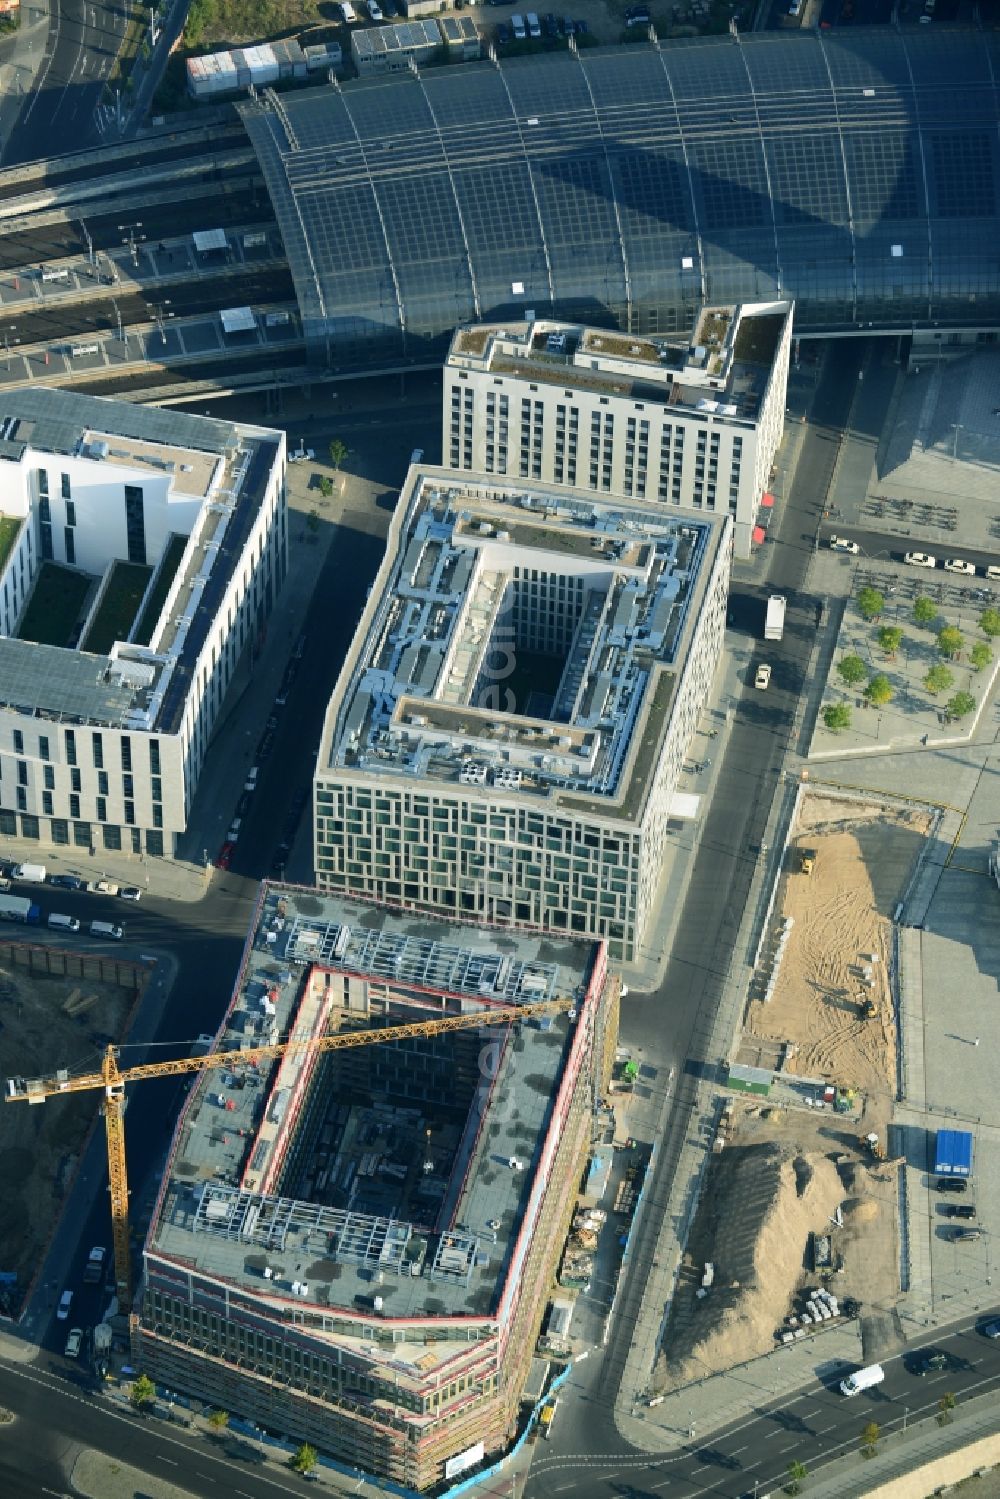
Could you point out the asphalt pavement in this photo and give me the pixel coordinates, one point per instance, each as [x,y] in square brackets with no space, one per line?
[60,112]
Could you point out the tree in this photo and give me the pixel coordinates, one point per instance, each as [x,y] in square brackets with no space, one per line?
[326,487]
[869,1439]
[837,716]
[889,638]
[219,1420]
[797,1475]
[945,1407]
[951,642]
[853,670]
[925,611]
[960,706]
[879,691]
[980,655]
[870,603]
[938,679]
[338,452]
[304,1460]
[143,1391]
[989,622]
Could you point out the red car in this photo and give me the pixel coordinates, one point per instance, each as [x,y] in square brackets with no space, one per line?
[224,855]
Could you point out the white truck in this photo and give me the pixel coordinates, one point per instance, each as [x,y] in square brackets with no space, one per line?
[774,620]
[33,874]
[862,1379]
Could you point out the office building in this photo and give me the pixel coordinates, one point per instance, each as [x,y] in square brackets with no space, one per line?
[505,741]
[140,554]
[692,422]
[355,1248]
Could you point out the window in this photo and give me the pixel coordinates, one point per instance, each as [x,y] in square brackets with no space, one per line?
[128,787]
[43,746]
[126,752]
[69,541]
[102,809]
[135,524]
[22,772]
[22,799]
[66,491]
[49,778]
[154,756]
[18,742]
[98,749]
[74,781]
[130,813]
[70,513]
[43,482]
[47,803]
[74,806]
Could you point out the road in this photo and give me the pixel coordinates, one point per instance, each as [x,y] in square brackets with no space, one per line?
[60,114]
[673,1024]
[57,1415]
[892,547]
[816,1426]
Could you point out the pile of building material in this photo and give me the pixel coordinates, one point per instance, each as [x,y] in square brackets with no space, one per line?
[578,1258]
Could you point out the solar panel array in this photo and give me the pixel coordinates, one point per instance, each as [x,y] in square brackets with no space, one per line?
[856,171]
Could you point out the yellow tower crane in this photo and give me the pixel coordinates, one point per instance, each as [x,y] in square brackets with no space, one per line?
[112,1079]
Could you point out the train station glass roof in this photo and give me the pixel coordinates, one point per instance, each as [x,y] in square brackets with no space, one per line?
[856,171]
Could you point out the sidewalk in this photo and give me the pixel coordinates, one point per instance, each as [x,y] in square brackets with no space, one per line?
[22,57]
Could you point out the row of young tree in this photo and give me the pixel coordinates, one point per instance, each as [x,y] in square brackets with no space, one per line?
[871,1435]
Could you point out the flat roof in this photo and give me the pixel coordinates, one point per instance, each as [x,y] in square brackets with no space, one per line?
[722,368]
[222,1209]
[415,702]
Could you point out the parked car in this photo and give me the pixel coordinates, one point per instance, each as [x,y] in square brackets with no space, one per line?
[130,892]
[990,1329]
[250,784]
[68,881]
[762,679]
[224,856]
[63,1309]
[306,455]
[951,1184]
[74,1342]
[375,10]
[960,1210]
[965,1235]
[637,15]
[958,565]
[841,544]
[993,572]
[581,27]
[102,887]
[920,559]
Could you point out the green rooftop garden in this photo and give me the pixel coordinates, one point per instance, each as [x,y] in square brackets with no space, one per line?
[158,597]
[55,606]
[9,527]
[122,597]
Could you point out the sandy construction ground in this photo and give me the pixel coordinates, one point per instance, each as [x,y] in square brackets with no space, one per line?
[839,946]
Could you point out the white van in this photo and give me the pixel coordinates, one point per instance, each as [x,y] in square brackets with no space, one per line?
[64,923]
[862,1379]
[348,12]
[534,29]
[107,929]
[517,26]
[65,1302]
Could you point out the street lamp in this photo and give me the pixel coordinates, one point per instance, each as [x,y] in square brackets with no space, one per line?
[131,241]
[7,342]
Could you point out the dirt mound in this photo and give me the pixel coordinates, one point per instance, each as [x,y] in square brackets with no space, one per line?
[759,1259]
[861,1212]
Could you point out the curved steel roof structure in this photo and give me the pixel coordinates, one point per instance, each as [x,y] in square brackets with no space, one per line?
[856,171]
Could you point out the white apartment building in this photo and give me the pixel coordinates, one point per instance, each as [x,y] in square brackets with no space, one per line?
[694,423]
[506,737]
[141,551]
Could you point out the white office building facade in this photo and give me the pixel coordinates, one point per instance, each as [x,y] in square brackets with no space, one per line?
[105,722]
[689,425]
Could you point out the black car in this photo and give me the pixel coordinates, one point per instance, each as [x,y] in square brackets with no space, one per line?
[965,1235]
[990,1329]
[67,881]
[951,1184]
[960,1210]
[637,15]
[550,25]
[930,1361]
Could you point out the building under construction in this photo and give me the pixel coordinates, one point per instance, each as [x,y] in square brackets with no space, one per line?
[355,1247]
